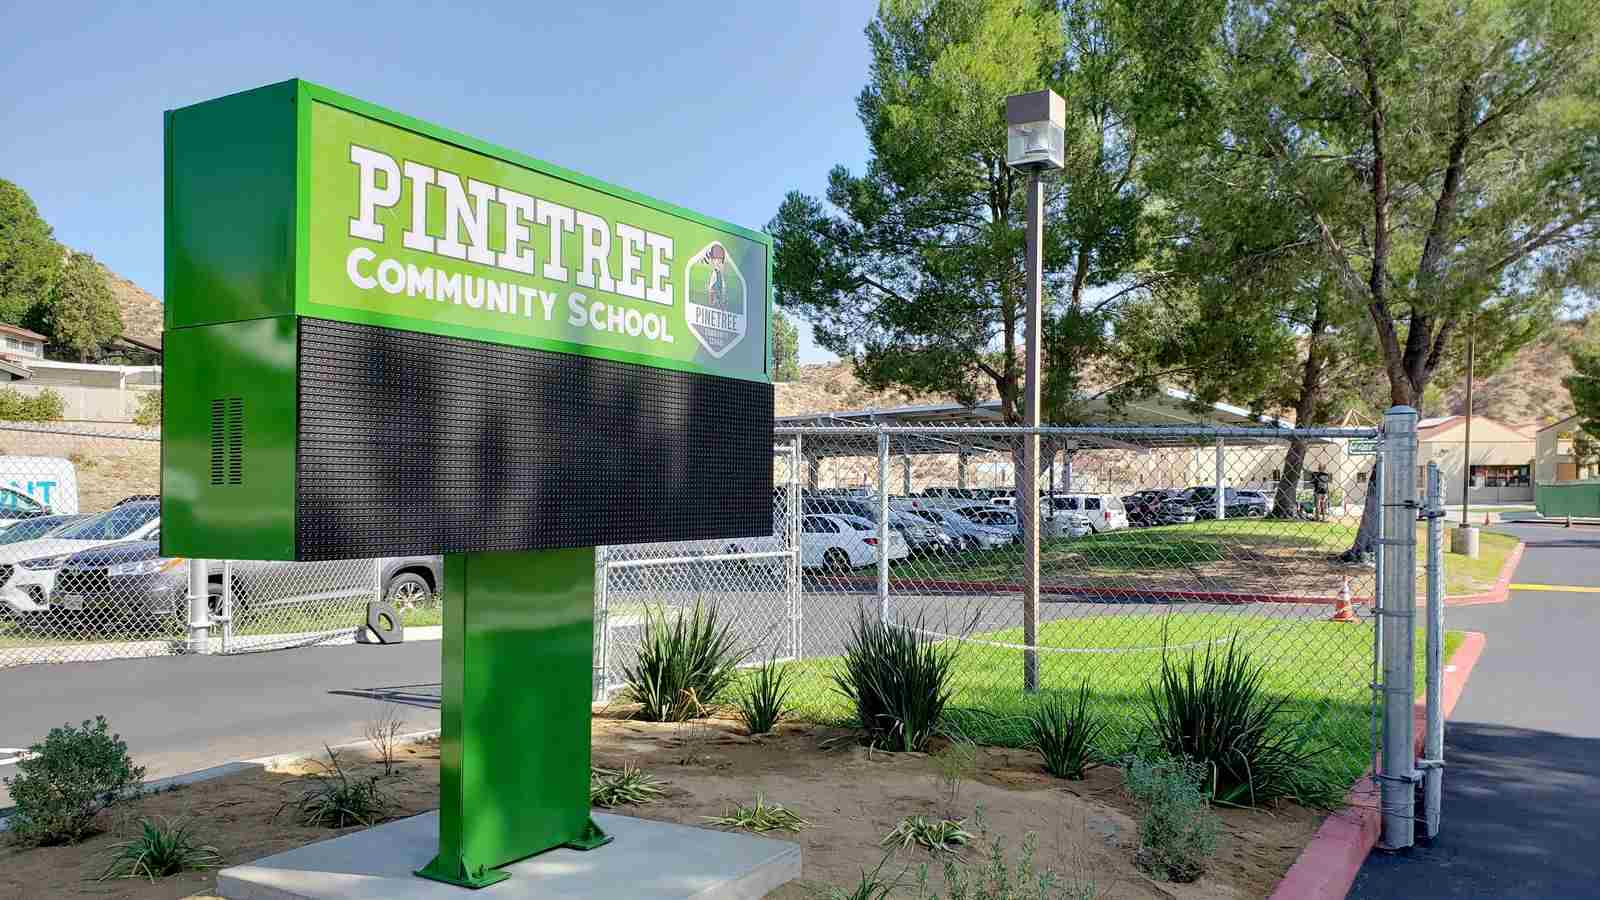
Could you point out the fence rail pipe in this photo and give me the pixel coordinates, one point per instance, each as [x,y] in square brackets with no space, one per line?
[883,527]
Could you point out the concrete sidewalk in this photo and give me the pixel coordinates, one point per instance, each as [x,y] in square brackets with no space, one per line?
[179,714]
[1523,747]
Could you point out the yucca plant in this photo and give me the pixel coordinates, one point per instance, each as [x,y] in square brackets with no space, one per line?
[935,835]
[1215,710]
[686,663]
[765,699]
[1064,733]
[898,681]
[760,817]
[629,785]
[162,848]
[333,799]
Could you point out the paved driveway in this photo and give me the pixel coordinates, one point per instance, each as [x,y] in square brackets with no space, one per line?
[186,713]
[1522,791]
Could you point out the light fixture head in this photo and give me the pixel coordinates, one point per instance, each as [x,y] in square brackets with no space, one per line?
[1035,131]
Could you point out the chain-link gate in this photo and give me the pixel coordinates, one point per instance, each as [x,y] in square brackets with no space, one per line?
[1156,543]
[751,582]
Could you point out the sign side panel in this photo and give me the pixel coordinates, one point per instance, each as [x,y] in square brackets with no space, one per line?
[230,208]
[228,439]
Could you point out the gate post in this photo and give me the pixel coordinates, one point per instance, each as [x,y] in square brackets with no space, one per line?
[1432,762]
[199,640]
[1397,605]
[883,526]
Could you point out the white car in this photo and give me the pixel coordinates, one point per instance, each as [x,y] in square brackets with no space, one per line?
[1105,512]
[28,568]
[839,543]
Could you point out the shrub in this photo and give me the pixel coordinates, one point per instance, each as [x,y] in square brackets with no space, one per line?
[44,406]
[1178,830]
[685,664]
[148,410]
[161,849]
[1216,711]
[68,778]
[335,800]
[1064,733]
[629,785]
[765,699]
[898,681]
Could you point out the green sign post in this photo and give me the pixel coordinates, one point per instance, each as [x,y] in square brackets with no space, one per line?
[386,338]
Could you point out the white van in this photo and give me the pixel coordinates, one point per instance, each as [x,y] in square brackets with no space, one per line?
[1105,512]
[37,486]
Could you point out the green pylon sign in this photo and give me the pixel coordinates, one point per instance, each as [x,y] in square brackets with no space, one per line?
[386,338]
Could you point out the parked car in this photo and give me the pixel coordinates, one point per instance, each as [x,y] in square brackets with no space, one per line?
[921,535]
[839,543]
[994,517]
[133,578]
[1059,524]
[1105,512]
[968,534]
[16,506]
[28,568]
[1236,504]
[37,527]
[1159,507]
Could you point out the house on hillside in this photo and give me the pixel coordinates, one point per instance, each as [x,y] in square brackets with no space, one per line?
[1501,464]
[1553,458]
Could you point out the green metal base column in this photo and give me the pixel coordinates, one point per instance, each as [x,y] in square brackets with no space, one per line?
[514,718]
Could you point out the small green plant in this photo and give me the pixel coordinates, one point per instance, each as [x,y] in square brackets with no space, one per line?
[897,679]
[765,699]
[627,786]
[994,876]
[44,406]
[955,763]
[1215,710]
[1065,733]
[1178,830]
[760,816]
[872,886]
[936,835]
[162,848]
[147,411]
[336,800]
[66,780]
[686,662]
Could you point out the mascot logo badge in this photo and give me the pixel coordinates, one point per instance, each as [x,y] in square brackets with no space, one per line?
[714,300]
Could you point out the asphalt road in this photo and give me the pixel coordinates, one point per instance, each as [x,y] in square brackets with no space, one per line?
[1521,810]
[180,714]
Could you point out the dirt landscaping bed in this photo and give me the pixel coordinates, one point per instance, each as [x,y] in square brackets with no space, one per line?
[851,796]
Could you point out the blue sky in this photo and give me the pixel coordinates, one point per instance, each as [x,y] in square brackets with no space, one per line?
[719,107]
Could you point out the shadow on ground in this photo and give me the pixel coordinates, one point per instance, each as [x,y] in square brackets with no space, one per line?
[423,696]
[1520,819]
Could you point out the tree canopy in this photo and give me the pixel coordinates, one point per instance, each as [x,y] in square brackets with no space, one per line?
[785,348]
[82,314]
[914,268]
[30,259]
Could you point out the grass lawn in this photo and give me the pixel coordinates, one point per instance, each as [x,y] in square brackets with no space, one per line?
[1129,551]
[1320,668]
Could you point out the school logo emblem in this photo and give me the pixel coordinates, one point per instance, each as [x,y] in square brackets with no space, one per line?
[714,298]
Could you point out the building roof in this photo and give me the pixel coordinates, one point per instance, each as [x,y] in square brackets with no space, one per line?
[1564,423]
[21,332]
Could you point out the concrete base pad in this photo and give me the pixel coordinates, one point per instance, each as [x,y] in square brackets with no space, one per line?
[646,861]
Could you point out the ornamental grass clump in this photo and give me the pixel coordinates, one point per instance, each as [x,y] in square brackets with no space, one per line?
[1215,710]
[897,679]
[764,701]
[1065,733]
[685,664]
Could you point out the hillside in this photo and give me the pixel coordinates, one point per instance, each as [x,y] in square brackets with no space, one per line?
[142,314]
[1527,390]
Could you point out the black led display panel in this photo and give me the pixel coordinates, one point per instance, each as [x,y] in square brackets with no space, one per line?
[412,443]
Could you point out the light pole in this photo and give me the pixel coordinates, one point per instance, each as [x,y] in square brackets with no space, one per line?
[1035,124]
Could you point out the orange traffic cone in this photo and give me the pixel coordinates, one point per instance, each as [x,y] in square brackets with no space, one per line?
[1342,611]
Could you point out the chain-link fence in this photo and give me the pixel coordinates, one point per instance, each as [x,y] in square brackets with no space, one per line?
[1155,543]
[82,576]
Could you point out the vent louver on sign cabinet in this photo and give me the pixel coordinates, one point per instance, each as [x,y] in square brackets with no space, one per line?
[227,441]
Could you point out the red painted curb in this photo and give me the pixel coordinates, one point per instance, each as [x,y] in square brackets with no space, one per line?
[1328,866]
[1502,584]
